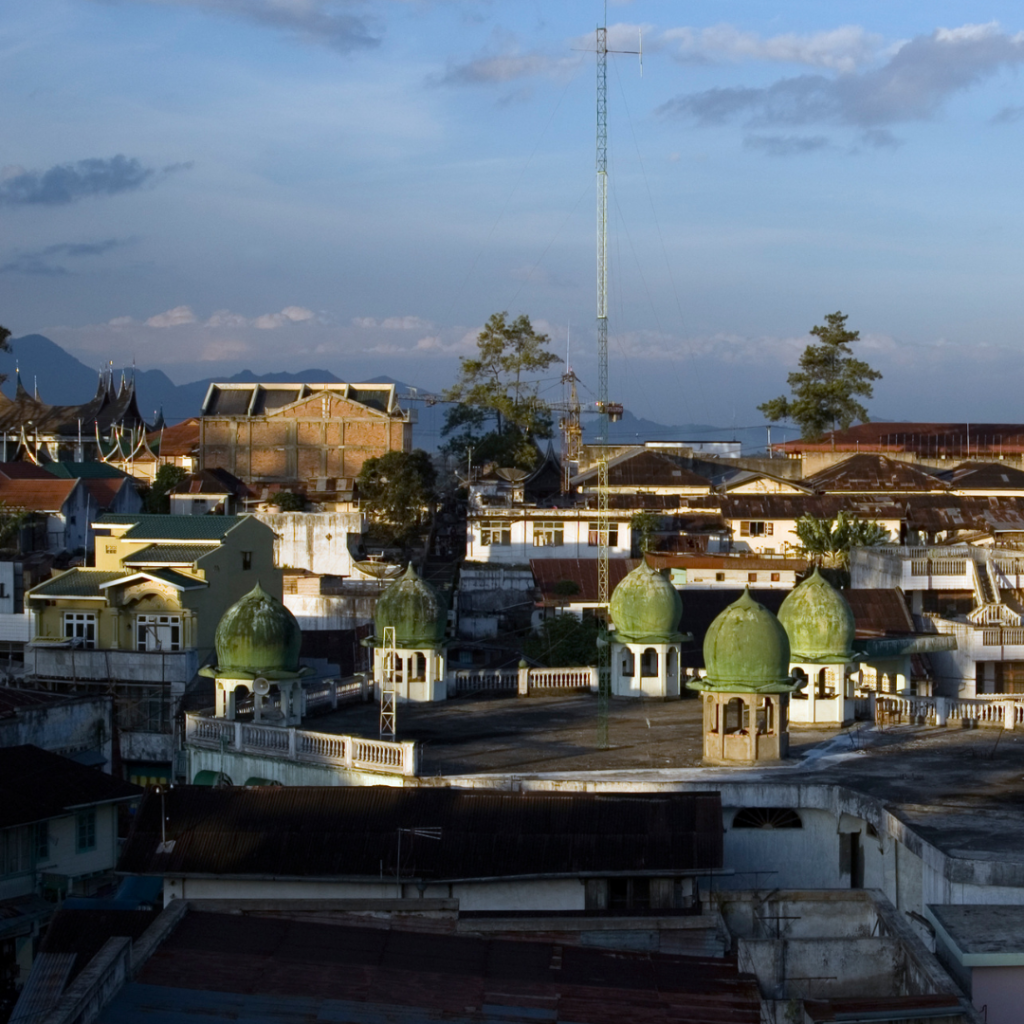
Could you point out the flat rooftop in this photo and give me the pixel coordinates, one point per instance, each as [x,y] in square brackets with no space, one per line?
[961,790]
[469,735]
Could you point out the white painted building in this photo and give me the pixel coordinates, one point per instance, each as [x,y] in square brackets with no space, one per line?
[517,536]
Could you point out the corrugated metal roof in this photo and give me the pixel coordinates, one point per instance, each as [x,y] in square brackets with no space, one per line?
[925,439]
[172,528]
[739,563]
[35,785]
[80,583]
[879,612]
[168,554]
[266,971]
[548,572]
[352,831]
[871,473]
[178,580]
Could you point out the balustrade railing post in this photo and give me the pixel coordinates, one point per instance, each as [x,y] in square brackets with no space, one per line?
[291,743]
[347,740]
[238,736]
[1009,715]
[941,711]
[524,680]
[410,758]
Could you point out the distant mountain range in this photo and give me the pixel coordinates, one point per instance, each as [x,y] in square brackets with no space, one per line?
[64,380]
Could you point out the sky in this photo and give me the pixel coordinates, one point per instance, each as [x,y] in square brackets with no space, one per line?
[206,186]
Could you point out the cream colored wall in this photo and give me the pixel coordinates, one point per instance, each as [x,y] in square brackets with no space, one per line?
[765,486]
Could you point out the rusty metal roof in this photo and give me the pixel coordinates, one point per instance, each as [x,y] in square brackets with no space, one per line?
[988,476]
[872,474]
[548,572]
[343,831]
[880,612]
[232,966]
[740,563]
[645,467]
[956,440]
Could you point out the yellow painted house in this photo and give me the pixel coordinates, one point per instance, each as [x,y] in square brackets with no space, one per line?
[142,621]
[160,583]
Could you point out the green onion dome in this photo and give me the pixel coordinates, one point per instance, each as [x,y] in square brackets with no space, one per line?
[818,622]
[258,636]
[415,609]
[746,650]
[646,608]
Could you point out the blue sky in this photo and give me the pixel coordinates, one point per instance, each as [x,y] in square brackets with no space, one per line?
[208,185]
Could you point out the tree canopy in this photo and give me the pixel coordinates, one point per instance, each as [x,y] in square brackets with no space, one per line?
[396,490]
[158,497]
[499,386]
[828,384]
[564,640]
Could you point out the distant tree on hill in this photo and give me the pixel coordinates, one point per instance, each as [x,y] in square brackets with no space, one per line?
[827,386]
[563,641]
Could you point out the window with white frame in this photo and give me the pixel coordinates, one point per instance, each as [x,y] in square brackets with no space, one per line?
[495,533]
[594,535]
[158,632]
[80,627]
[548,534]
[754,528]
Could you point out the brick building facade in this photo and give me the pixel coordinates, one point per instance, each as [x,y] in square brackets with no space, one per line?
[310,437]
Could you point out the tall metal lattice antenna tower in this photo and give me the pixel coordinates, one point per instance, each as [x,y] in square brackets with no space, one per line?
[602,315]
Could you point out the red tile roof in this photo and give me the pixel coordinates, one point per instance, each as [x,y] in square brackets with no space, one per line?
[36,495]
[23,471]
[179,440]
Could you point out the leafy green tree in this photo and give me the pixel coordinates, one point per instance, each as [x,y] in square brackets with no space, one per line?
[564,641]
[288,501]
[828,384]
[158,497]
[396,491]
[500,386]
[828,541]
[643,525]
[11,521]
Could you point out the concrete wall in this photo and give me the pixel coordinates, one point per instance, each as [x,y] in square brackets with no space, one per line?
[542,894]
[317,541]
[240,767]
[331,611]
[66,727]
[999,990]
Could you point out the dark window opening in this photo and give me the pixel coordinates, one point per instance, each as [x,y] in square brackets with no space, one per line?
[246,561]
[767,817]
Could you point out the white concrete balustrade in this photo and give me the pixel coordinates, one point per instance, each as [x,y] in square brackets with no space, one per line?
[1005,713]
[521,680]
[355,753]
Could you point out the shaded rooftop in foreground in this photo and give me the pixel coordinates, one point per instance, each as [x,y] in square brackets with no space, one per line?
[242,967]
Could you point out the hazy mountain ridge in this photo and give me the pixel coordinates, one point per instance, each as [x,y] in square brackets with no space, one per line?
[63,379]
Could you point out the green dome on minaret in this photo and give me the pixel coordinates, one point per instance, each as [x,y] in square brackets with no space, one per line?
[258,636]
[646,608]
[746,650]
[415,609]
[818,622]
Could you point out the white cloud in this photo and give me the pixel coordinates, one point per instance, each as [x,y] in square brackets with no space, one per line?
[392,323]
[173,317]
[841,49]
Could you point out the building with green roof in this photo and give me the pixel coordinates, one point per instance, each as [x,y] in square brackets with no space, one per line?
[821,628]
[645,609]
[746,685]
[144,618]
[410,621]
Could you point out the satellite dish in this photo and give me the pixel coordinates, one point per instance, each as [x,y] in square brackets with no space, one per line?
[261,686]
[512,474]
